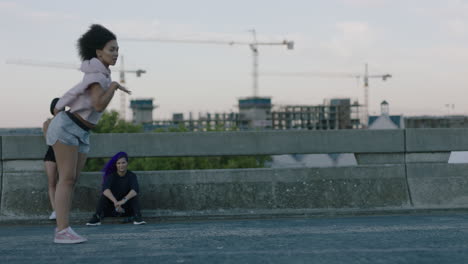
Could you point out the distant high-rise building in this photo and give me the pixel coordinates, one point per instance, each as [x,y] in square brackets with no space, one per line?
[255,112]
[142,110]
[177,117]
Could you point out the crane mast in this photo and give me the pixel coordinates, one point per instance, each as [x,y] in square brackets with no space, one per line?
[123,96]
[366,77]
[254,48]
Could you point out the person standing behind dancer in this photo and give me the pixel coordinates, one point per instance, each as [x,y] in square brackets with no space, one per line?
[68,133]
[50,164]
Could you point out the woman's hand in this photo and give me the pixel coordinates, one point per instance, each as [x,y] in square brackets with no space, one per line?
[117,86]
[119,209]
[119,203]
[56,111]
[118,206]
[45,125]
[125,90]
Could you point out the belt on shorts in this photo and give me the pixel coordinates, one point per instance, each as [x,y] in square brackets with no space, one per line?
[77,121]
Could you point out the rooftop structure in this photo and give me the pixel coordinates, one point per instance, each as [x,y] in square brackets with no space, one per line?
[142,110]
[255,113]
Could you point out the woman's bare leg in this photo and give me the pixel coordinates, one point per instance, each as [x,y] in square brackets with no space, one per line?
[52,178]
[80,165]
[67,159]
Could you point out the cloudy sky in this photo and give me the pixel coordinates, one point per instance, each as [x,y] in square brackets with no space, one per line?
[422,43]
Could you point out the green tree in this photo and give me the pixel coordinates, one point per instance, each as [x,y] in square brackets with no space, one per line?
[110,123]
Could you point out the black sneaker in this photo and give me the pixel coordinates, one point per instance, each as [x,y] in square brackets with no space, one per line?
[138,221]
[94,221]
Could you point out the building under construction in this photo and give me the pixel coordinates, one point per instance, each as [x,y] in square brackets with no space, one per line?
[257,113]
[334,114]
[204,122]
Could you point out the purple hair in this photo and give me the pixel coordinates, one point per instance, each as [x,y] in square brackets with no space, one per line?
[111,167]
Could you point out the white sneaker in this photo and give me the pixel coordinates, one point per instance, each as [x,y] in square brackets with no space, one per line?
[68,236]
[52,216]
[138,221]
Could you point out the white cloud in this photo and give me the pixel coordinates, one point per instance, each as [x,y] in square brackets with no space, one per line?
[457,27]
[350,38]
[6,6]
[24,12]
[450,17]
[446,9]
[155,29]
[365,3]
[40,16]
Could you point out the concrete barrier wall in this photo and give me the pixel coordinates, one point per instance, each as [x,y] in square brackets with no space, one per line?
[433,183]
[220,143]
[436,139]
[198,190]
[438,185]
[1,172]
[387,175]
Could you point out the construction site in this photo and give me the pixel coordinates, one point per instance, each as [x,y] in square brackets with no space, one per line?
[254,112]
[258,113]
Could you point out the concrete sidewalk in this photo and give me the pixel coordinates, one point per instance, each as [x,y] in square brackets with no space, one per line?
[435,238]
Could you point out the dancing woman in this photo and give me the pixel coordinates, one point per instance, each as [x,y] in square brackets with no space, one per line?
[68,133]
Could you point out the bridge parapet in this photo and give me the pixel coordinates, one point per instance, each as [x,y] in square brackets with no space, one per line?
[395,169]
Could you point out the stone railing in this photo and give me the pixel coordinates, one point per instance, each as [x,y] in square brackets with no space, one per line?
[396,169]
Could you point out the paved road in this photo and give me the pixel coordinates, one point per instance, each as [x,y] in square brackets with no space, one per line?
[366,239]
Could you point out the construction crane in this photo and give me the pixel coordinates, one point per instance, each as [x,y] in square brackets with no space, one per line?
[123,96]
[121,70]
[364,76]
[253,47]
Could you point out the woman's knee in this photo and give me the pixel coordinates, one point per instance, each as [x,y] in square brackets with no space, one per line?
[52,186]
[52,180]
[71,180]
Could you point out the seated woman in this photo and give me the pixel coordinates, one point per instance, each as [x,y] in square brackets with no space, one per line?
[119,192]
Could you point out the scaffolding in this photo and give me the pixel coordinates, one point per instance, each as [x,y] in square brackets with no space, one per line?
[255,113]
[336,114]
[206,122]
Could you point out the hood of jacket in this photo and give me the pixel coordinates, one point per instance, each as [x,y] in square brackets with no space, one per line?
[94,66]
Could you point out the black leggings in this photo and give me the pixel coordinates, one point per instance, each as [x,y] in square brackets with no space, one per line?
[105,207]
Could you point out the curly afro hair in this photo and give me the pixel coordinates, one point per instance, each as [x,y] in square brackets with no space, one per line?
[95,38]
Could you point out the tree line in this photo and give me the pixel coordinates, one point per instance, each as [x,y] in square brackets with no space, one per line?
[111,123]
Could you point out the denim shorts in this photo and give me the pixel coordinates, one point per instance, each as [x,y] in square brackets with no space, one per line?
[63,129]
